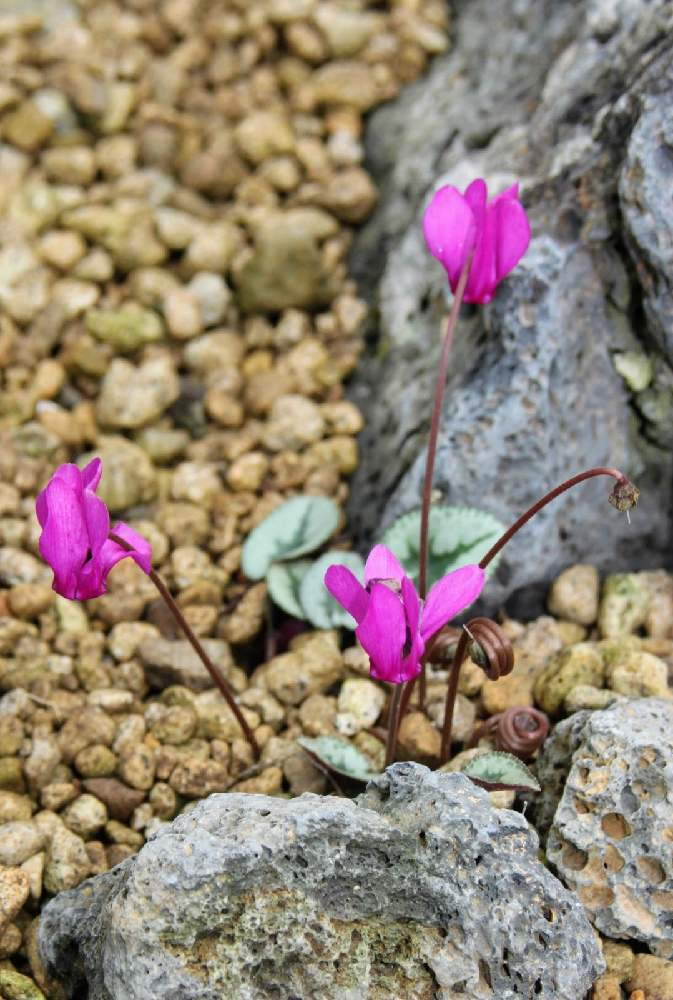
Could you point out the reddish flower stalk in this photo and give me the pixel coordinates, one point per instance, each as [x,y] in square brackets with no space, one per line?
[432,445]
[623,496]
[214,671]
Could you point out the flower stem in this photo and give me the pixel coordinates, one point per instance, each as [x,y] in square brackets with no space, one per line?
[393,723]
[432,445]
[623,485]
[214,671]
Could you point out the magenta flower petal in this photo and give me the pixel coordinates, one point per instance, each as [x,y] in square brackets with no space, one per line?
[347,590]
[512,235]
[112,553]
[91,474]
[75,533]
[382,565]
[411,663]
[449,228]
[449,596]
[497,232]
[64,541]
[382,633]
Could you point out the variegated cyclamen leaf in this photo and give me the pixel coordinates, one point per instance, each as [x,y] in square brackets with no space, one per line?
[457,536]
[497,770]
[340,756]
[283,580]
[298,526]
[319,607]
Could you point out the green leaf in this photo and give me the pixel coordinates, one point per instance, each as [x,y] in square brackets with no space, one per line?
[283,581]
[497,770]
[457,536]
[298,526]
[319,607]
[340,756]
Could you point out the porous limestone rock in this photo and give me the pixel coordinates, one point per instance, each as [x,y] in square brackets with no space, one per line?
[419,888]
[608,796]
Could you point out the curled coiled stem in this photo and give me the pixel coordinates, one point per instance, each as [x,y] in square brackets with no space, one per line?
[491,649]
[521,731]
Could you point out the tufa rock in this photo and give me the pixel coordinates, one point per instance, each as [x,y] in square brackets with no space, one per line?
[417,888]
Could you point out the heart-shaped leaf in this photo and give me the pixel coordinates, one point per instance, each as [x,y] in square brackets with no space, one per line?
[283,581]
[497,770]
[339,756]
[319,607]
[298,526]
[457,536]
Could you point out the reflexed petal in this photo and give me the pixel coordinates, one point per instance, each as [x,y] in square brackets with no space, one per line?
[91,474]
[64,540]
[382,565]
[482,281]
[412,605]
[476,194]
[345,588]
[512,235]
[71,475]
[449,228]
[112,553]
[382,633]
[449,596]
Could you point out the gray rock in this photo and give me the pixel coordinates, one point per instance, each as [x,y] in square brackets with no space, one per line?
[573,100]
[169,661]
[419,888]
[611,777]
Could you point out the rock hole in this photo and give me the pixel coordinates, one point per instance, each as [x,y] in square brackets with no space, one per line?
[574,858]
[614,825]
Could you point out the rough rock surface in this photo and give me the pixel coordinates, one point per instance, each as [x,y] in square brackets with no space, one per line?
[570,366]
[420,888]
[608,780]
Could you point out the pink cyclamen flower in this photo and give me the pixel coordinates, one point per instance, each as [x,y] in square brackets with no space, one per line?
[394,625]
[497,231]
[75,533]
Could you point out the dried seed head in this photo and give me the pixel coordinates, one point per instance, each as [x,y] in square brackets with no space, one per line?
[624,495]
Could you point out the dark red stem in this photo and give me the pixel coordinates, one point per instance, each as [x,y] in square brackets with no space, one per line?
[490,555]
[214,671]
[440,388]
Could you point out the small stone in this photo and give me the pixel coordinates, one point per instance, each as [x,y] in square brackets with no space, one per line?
[14,890]
[125,638]
[317,715]
[606,988]
[127,329]
[10,941]
[248,472]
[96,761]
[11,735]
[14,806]
[360,704]
[574,594]
[652,975]
[133,396]
[62,249]
[163,801]
[580,664]
[196,482]
[128,477]
[137,767]
[639,675]
[28,600]
[263,134]
[118,797]
[247,618]
[587,696]
[418,739]
[19,841]
[58,794]
[27,127]
[269,782]
[196,778]
[111,700]
[294,422]
[213,296]
[118,833]
[175,662]
[34,871]
[183,314]
[85,816]
[85,727]
[176,726]
[345,82]
[311,669]
[618,958]
[11,775]
[67,862]
[350,195]
[624,606]
[70,164]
